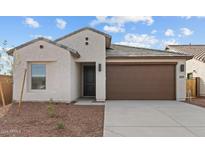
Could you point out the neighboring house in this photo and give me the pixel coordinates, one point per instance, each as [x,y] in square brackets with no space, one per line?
[86,64]
[196,66]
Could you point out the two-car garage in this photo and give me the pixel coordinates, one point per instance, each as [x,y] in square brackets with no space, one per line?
[141,81]
[135,73]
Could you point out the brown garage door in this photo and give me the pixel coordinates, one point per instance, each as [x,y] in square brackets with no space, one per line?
[140,81]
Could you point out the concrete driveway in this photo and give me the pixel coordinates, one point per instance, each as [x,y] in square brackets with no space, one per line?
[153,118]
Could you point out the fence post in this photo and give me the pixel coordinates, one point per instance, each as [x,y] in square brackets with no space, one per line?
[2,95]
[22,88]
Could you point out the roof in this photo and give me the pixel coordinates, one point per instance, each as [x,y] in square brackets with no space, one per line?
[72,51]
[122,51]
[198,51]
[107,36]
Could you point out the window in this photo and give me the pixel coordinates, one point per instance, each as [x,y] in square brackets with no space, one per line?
[86,43]
[86,38]
[38,76]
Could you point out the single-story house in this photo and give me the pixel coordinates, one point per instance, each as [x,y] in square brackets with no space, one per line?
[195,67]
[86,64]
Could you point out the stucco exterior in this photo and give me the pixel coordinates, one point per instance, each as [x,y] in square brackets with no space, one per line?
[95,52]
[64,71]
[58,74]
[198,69]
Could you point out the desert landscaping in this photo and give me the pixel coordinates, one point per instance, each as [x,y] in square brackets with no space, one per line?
[51,119]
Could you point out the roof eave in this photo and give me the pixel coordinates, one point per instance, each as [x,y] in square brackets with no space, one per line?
[73,53]
[150,57]
[107,36]
[79,30]
[76,55]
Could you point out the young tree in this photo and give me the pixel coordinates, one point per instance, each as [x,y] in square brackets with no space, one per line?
[6,61]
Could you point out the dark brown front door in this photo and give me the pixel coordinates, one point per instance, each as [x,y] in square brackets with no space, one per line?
[89,80]
[140,82]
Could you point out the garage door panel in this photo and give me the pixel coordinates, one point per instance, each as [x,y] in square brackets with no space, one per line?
[141,82]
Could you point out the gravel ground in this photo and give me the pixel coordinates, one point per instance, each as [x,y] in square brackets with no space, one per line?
[4,110]
[42,119]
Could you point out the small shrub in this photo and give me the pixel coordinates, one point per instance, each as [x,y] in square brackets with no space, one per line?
[51,110]
[50,101]
[60,125]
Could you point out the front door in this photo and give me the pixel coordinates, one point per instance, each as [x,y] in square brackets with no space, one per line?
[89,80]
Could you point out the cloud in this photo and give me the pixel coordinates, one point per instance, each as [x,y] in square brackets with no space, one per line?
[5,63]
[5,58]
[200,17]
[186,17]
[139,40]
[44,36]
[169,32]
[185,32]
[121,20]
[1,67]
[153,31]
[60,23]
[5,48]
[31,23]
[117,23]
[113,29]
[145,40]
[189,17]
[164,43]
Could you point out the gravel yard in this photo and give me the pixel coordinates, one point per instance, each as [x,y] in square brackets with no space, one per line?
[44,119]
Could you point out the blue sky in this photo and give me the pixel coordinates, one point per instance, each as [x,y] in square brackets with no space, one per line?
[151,32]
[17,30]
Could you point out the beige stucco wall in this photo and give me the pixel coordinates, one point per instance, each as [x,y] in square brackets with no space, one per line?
[58,76]
[75,80]
[180,76]
[198,69]
[63,72]
[93,52]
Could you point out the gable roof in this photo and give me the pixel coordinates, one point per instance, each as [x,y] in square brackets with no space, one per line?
[107,36]
[72,51]
[122,51]
[198,51]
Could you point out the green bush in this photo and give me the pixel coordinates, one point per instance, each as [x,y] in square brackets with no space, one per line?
[60,125]
[51,109]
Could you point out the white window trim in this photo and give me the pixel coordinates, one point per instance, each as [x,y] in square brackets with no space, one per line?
[30,77]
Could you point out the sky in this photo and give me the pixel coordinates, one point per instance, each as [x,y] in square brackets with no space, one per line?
[142,31]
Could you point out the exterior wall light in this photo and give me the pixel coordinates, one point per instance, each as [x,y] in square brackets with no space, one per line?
[99,67]
[182,67]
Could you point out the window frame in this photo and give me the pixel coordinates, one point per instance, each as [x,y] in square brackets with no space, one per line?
[35,63]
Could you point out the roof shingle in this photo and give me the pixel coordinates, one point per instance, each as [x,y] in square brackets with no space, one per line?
[122,51]
[198,51]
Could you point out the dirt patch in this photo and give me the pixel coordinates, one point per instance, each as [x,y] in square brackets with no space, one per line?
[37,119]
[198,101]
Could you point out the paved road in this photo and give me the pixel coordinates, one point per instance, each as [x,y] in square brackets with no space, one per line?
[153,118]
